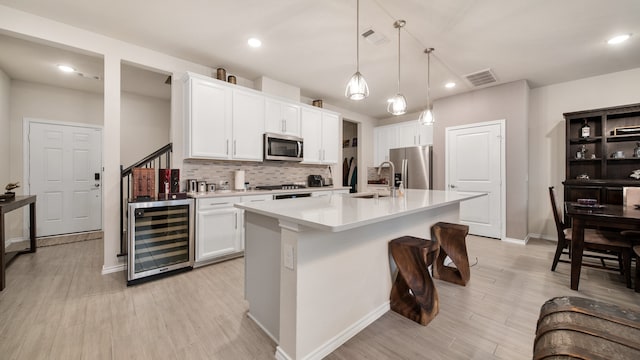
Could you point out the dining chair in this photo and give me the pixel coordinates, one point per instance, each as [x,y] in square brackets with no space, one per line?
[634,237]
[600,241]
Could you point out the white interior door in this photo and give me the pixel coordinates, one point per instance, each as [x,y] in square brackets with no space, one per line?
[65,172]
[475,164]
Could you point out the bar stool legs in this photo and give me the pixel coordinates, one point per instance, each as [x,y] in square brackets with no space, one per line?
[413,294]
[452,243]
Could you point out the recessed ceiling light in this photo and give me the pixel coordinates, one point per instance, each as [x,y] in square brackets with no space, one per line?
[254,42]
[450,85]
[66,68]
[618,39]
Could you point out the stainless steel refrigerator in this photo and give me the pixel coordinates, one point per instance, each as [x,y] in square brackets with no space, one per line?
[413,166]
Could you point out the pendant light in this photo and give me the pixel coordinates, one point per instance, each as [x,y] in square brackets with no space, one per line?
[357,88]
[398,104]
[426,117]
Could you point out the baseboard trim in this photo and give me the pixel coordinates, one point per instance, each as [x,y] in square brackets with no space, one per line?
[281,355]
[543,237]
[515,241]
[334,343]
[263,328]
[15,240]
[112,269]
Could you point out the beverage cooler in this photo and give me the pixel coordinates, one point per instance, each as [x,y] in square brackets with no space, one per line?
[160,238]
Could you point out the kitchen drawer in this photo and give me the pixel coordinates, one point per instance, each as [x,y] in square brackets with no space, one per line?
[256,198]
[215,203]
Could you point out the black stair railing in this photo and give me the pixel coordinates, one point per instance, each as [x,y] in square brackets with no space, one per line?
[155,160]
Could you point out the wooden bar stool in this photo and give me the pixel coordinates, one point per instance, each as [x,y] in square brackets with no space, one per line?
[413,294]
[452,239]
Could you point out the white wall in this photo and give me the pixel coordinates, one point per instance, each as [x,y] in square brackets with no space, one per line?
[31,100]
[145,126]
[507,101]
[114,52]
[5,148]
[547,134]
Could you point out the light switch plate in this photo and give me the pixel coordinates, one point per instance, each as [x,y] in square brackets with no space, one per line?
[288,257]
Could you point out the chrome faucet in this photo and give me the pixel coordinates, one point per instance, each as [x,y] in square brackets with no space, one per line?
[392,177]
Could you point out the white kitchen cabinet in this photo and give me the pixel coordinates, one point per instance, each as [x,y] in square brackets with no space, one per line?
[408,133]
[248,125]
[411,133]
[282,117]
[330,137]
[219,228]
[321,132]
[208,124]
[321,194]
[328,193]
[384,138]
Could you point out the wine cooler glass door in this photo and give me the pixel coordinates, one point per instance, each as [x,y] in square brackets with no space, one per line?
[161,238]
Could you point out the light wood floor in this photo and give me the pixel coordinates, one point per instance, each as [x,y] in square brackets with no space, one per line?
[57,305]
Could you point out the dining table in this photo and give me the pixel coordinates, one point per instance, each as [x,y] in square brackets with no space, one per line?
[596,216]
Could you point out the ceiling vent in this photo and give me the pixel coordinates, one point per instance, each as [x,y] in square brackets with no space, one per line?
[373,37]
[482,77]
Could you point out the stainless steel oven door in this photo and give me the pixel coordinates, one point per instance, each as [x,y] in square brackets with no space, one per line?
[283,147]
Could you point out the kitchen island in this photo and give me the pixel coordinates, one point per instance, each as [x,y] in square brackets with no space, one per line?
[318,271]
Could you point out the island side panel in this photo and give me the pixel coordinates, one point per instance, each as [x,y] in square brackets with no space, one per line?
[341,280]
[262,272]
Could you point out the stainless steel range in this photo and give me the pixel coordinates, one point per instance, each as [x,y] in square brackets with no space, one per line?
[286,187]
[281,187]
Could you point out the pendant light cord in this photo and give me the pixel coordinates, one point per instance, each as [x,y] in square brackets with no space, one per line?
[429,79]
[399,27]
[357,36]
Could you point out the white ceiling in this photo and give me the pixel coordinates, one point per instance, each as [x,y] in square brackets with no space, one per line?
[311,44]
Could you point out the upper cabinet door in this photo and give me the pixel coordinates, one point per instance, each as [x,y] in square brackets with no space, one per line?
[320,132]
[384,139]
[311,129]
[248,125]
[425,134]
[291,116]
[407,134]
[282,117]
[330,138]
[208,119]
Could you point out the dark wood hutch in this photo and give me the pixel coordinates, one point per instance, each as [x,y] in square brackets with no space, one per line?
[612,130]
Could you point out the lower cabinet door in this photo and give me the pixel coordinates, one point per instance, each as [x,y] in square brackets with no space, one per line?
[219,232]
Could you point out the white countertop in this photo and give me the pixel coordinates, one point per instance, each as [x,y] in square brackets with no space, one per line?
[343,212]
[223,193]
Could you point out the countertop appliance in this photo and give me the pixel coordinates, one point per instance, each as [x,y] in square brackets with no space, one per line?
[160,238]
[413,166]
[315,181]
[283,147]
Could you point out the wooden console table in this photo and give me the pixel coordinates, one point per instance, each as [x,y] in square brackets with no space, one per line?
[8,206]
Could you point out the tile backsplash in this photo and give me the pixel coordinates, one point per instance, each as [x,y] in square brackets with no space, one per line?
[372,173]
[256,173]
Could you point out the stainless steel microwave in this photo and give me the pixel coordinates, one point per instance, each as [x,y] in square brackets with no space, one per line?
[283,147]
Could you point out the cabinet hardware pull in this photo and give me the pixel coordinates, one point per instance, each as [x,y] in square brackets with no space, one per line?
[234,147]
[236,215]
[227,147]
